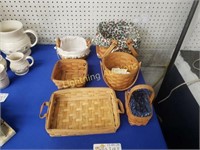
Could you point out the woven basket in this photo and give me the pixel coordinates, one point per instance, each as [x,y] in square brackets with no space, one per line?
[82,111]
[120,82]
[134,120]
[103,51]
[69,73]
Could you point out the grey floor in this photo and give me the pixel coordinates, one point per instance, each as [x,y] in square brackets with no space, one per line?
[153,74]
[190,57]
[184,63]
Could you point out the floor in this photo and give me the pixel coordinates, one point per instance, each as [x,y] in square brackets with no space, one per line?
[190,57]
[184,65]
[179,114]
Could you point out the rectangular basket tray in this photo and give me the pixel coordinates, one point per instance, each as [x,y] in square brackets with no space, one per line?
[82,111]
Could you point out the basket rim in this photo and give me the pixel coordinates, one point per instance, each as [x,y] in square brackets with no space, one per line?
[116,118]
[121,89]
[68,60]
[65,52]
[128,98]
[122,53]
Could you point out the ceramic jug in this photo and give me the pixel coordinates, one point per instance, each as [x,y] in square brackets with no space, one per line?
[14,39]
[3,62]
[4,80]
[19,63]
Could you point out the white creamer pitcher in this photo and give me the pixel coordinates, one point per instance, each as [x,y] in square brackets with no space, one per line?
[19,63]
[13,38]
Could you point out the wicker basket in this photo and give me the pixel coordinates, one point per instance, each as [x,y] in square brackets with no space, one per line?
[120,82]
[134,120]
[69,73]
[82,111]
[103,51]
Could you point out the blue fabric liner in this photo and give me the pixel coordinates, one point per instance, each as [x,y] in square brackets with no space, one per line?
[139,103]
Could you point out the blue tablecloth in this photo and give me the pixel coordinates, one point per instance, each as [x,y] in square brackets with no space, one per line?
[28,92]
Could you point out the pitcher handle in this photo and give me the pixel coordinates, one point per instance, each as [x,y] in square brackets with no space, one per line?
[32,60]
[35,34]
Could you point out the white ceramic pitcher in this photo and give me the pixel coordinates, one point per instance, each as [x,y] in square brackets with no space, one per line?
[14,39]
[19,63]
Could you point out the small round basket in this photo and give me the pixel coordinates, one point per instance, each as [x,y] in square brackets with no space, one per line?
[132,119]
[70,73]
[120,82]
[74,47]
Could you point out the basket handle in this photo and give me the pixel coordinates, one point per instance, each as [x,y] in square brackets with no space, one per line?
[144,86]
[126,95]
[121,107]
[102,68]
[88,42]
[112,46]
[58,42]
[129,43]
[41,108]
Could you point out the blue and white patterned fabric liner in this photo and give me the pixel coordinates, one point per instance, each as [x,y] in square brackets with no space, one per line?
[139,103]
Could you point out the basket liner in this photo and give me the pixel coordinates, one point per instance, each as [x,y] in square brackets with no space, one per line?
[139,103]
[133,119]
[73,47]
[73,43]
[120,31]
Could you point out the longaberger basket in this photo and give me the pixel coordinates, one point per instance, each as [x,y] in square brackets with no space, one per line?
[132,119]
[69,73]
[82,111]
[120,82]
